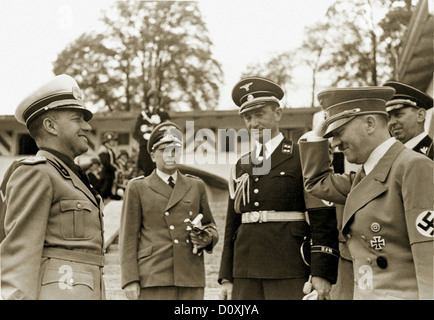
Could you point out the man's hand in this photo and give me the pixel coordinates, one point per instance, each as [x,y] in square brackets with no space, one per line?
[226,290]
[200,238]
[132,291]
[319,127]
[322,286]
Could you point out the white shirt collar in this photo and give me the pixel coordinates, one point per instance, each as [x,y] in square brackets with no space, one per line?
[415,140]
[270,145]
[165,177]
[377,154]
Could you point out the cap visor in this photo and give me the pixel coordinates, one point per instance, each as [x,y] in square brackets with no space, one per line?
[335,125]
[257,103]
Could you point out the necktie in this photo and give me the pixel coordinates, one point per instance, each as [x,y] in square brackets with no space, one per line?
[362,173]
[170,182]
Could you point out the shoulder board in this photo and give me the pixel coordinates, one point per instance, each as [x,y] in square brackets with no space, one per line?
[33,160]
[287,147]
[191,176]
[138,178]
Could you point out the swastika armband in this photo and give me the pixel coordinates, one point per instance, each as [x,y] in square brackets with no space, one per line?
[425,223]
[421,226]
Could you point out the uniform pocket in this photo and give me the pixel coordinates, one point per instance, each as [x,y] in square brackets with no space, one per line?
[75,214]
[65,283]
[143,253]
[284,183]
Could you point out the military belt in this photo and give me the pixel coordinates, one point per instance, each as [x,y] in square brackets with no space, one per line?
[74,256]
[272,216]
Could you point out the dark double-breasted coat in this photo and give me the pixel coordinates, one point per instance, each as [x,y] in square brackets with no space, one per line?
[53,245]
[272,250]
[387,220]
[155,246]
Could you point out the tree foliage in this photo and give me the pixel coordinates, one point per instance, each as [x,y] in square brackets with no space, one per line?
[158,45]
[277,68]
[363,40]
[357,43]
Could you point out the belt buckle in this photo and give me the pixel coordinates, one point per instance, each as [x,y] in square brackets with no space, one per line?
[254,216]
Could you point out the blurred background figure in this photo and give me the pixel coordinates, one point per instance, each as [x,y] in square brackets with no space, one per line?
[107,155]
[93,172]
[124,172]
[152,114]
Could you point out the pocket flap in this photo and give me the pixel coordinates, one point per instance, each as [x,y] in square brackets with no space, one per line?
[144,252]
[66,205]
[76,278]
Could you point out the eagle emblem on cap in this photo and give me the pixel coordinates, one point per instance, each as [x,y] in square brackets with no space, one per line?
[77,93]
[170,133]
[246,86]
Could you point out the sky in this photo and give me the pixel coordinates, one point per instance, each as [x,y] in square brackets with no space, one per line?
[33,33]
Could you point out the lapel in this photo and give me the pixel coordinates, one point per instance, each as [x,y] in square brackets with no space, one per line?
[67,173]
[182,186]
[159,186]
[246,163]
[283,152]
[372,185]
[424,146]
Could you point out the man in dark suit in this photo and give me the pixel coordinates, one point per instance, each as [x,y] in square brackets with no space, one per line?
[270,250]
[160,249]
[151,115]
[407,112]
[53,232]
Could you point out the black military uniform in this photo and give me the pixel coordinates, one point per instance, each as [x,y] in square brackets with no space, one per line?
[407,96]
[267,236]
[145,123]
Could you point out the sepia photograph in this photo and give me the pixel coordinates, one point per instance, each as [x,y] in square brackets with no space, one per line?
[199,152]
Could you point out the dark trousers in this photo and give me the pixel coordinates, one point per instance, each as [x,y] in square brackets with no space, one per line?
[268,289]
[172,293]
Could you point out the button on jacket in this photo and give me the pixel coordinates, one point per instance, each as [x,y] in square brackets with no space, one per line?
[53,248]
